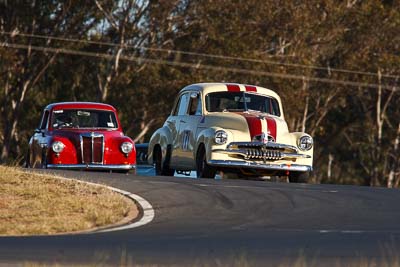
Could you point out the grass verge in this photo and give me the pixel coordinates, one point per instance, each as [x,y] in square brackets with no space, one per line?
[40,204]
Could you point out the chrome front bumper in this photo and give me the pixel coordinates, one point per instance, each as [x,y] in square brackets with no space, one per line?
[262,151]
[259,166]
[92,166]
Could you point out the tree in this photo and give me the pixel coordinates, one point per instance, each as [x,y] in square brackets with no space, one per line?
[24,62]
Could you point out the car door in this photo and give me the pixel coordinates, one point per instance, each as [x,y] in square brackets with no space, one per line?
[188,129]
[39,141]
[174,123]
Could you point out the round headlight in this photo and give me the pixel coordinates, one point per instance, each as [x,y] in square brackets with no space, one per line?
[305,143]
[57,146]
[126,147]
[221,137]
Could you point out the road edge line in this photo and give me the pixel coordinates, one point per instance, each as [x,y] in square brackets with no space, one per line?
[148,213]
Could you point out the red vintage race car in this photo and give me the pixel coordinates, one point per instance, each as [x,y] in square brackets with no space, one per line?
[81,135]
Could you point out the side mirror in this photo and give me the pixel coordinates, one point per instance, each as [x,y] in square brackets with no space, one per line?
[40,131]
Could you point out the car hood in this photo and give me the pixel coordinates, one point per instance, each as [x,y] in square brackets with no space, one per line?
[252,122]
[74,135]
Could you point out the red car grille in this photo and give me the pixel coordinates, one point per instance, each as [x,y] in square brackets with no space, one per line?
[92,148]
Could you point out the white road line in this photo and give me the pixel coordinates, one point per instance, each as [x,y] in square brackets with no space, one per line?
[148,213]
[277,188]
[352,232]
[325,231]
[341,231]
[147,208]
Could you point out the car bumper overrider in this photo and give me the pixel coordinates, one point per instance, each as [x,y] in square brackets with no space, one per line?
[92,166]
[258,155]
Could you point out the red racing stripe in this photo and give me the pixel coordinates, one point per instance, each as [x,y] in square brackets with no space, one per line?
[271,127]
[233,87]
[254,124]
[250,88]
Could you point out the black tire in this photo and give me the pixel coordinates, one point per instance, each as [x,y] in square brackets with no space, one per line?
[230,175]
[250,177]
[202,168]
[28,159]
[121,171]
[298,177]
[43,164]
[161,169]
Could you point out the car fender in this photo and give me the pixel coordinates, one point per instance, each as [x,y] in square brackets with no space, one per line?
[115,145]
[291,138]
[207,136]
[163,138]
[67,156]
[297,135]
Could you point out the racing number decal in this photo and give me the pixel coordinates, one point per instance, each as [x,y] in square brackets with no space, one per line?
[185,140]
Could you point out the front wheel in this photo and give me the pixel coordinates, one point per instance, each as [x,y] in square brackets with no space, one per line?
[28,159]
[161,169]
[298,177]
[43,163]
[202,168]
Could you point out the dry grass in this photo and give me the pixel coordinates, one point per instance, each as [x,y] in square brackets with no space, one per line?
[37,204]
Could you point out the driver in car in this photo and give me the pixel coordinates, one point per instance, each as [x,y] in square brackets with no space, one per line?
[63,121]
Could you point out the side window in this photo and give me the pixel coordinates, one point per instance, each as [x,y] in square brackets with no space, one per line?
[199,110]
[272,106]
[275,107]
[183,104]
[176,107]
[44,120]
[195,104]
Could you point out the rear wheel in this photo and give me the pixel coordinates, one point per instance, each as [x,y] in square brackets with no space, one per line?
[298,177]
[161,169]
[202,168]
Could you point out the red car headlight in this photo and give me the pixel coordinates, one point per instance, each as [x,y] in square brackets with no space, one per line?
[126,147]
[58,146]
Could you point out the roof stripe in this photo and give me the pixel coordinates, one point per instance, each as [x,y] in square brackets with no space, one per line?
[250,88]
[233,87]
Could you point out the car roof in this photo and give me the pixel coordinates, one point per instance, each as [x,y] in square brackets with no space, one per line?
[216,87]
[80,105]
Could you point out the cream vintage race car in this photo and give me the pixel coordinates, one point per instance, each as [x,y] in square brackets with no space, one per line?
[233,129]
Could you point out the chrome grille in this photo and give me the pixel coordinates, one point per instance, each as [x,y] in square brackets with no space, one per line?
[92,148]
[257,153]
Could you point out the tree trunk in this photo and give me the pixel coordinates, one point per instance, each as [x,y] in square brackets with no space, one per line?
[330,160]
[305,113]
[395,159]
[378,144]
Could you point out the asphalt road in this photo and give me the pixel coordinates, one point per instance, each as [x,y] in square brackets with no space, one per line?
[202,222]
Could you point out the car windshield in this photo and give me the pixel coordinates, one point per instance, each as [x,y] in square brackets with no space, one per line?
[241,101]
[83,118]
